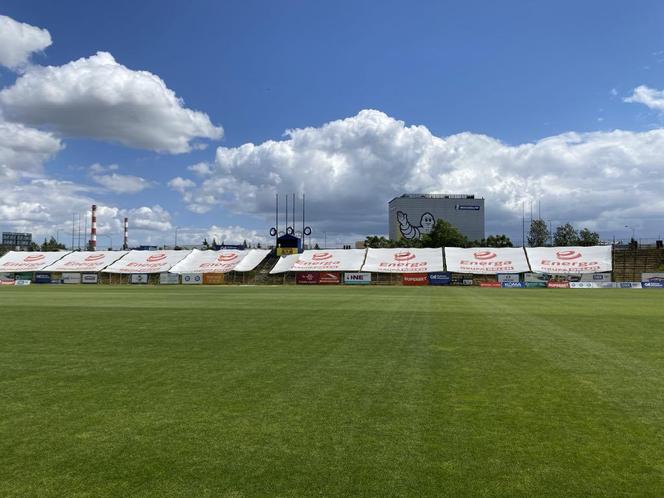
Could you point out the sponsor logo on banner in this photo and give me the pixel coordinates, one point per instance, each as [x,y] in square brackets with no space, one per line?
[357,278]
[487,284]
[403,256]
[440,278]
[485,261]
[94,257]
[42,278]
[466,207]
[6,281]
[415,279]
[89,278]
[224,258]
[306,278]
[484,255]
[71,278]
[213,278]
[166,278]
[557,285]
[582,285]
[568,255]
[508,277]
[653,285]
[138,278]
[599,277]
[192,278]
[329,278]
[22,282]
[321,256]
[629,285]
[156,257]
[469,281]
[652,277]
[32,259]
[512,285]
[533,285]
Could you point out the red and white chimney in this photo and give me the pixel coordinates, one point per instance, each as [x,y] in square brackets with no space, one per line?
[93,229]
[125,245]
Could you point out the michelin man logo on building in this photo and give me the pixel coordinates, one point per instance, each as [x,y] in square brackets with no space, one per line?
[411,232]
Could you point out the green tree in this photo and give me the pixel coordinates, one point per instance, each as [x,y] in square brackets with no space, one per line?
[205,244]
[52,245]
[498,241]
[443,234]
[538,233]
[588,238]
[566,235]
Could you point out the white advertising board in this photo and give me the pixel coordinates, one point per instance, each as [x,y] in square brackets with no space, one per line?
[330,260]
[71,278]
[352,278]
[139,278]
[486,260]
[192,278]
[16,261]
[169,278]
[83,261]
[567,260]
[403,260]
[147,261]
[89,278]
[508,277]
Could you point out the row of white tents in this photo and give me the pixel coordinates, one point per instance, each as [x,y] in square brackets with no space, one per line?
[477,260]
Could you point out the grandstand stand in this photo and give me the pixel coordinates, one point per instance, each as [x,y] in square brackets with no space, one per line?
[629,262]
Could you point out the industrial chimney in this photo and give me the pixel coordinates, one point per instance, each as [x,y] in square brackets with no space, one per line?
[125,245]
[93,229]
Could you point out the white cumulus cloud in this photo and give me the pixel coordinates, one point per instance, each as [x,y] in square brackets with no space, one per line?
[122,184]
[24,150]
[19,40]
[650,97]
[96,97]
[351,168]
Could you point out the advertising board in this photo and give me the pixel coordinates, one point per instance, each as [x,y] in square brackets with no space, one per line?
[534,285]
[508,277]
[440,278]
[71,278]
[138,278]
[629,285]
[306,278]
[415,279]
[488,284]
[512,285]
[89,278]
[557,285]
[486,260]
[213,278]
[192,278]
[42,278]
[166,278]
[469,281]
[357,278]
[6,281]
[329,278]
[652,285]
[22,282]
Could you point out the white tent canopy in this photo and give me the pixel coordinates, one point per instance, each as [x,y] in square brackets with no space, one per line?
[253,258]
[147,261]
[222,261]
[82,261]
[573,259]
[486,260]
[16,261]
[284,264]
[399,260]
[330,260]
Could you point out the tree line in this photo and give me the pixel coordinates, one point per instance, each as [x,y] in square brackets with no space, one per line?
[444,234]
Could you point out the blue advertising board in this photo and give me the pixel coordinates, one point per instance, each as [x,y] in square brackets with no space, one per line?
[42,278]
[440,278]
[653,285]
[513,285]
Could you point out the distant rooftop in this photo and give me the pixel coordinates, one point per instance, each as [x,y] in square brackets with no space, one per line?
[436,196]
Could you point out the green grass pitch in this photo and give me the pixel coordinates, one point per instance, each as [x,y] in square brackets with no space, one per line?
[324,391]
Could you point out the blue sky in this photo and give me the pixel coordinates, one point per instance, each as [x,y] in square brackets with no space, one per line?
[495,85]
